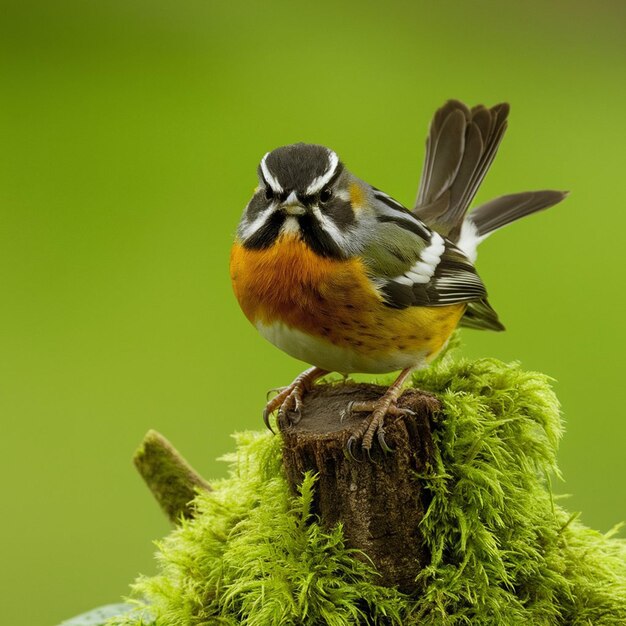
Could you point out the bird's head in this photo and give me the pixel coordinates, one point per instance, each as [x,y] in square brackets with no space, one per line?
[305,192]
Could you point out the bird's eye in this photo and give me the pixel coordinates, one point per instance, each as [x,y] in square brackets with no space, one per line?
[325,195]
[269,194]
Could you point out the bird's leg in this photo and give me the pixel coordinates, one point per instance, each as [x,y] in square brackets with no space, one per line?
[374,425]
[288,401]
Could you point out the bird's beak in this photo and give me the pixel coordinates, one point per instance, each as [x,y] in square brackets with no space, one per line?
[294,209]
[293,206]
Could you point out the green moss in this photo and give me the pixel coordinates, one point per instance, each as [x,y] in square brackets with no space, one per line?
[503,551]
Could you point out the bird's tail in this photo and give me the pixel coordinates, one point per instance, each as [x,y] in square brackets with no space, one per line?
[460,148]
[495,214]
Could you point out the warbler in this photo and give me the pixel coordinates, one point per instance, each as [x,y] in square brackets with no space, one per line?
[339,274]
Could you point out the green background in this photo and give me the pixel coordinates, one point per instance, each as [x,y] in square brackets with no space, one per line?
[129,137]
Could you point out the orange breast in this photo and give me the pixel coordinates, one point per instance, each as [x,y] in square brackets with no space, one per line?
[288,282]
[333,300]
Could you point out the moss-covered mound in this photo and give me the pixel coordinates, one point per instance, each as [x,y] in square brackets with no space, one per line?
[502,551]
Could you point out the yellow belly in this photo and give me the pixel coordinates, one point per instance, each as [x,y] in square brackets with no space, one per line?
[327,313]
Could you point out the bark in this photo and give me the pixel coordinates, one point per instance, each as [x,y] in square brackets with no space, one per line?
[379,502]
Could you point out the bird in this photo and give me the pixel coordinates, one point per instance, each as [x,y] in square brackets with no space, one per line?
[340,275]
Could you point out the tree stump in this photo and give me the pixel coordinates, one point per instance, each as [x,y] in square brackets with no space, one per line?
[379,502]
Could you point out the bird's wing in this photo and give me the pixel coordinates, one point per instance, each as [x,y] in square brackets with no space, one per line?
[413,265]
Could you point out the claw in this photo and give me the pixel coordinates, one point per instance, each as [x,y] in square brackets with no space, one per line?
[381,441]
[275,390]
[266,420]
[297,409]
[289,417]
[349,412]
[394,410]
[294,416]
[350,449]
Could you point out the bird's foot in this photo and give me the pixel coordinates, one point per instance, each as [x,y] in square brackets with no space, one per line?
[375,424]
[288,400]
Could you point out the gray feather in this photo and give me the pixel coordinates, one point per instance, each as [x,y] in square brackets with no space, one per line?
[506,209]
[448,150]
[432,141]
[460,147]
[481,316]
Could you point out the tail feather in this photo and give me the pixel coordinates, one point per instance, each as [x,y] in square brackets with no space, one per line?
[506,209]
[480,315]
[460,148]
[444,151]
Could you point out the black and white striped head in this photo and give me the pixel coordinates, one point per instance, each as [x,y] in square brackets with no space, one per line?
[303,192]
